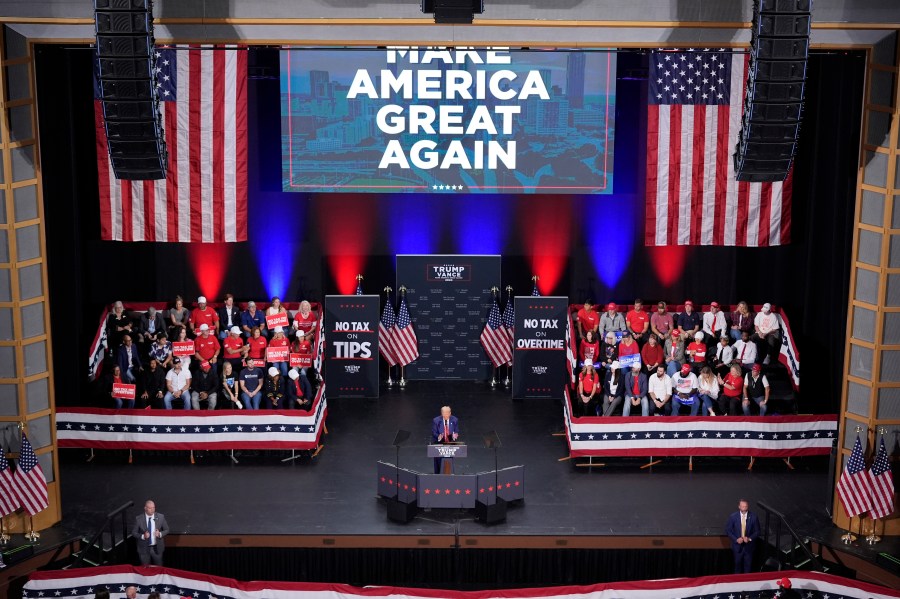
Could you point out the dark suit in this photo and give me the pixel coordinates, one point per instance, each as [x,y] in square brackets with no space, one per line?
[437,432]
[122,361]
[150,553]
[223,317]
[743,552]
[159,326]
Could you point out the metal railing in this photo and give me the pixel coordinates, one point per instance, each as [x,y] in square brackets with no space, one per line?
[109,538]
[775,523]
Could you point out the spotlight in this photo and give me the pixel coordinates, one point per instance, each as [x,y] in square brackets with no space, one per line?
[454,12]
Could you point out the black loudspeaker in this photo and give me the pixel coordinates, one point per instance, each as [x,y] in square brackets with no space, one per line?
[461,12]
[773,106]
[492,513]
[397,511]
[126,74]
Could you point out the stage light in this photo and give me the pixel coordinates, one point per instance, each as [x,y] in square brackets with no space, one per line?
[413,222]
[609,235]
[668,262]
[276,247]
[481,223]
[346,224]
[209,263]
[453,12]
[545,225]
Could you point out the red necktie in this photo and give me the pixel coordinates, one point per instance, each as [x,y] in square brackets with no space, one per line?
[446,431]
[297,387]
[636,389]
[743,349]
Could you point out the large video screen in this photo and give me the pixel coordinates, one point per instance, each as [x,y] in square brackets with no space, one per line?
[447,120]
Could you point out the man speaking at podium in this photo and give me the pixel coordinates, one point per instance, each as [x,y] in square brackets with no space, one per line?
[444,429]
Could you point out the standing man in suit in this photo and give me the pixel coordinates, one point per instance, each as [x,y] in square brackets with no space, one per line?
[149,532]
[444,429]
[743,530]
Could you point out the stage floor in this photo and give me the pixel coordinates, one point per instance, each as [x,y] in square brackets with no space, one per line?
[334,494]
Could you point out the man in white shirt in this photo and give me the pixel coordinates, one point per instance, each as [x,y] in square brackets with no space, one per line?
[178,384]
[767,336]
[722,356]
[714,325]
[685,387]
[745,352]
[660,390]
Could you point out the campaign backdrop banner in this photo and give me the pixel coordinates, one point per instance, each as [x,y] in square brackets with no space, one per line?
[438,120]
[448,297]
[351,340]
[539,351]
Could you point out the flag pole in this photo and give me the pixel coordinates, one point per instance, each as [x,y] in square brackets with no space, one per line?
[402,366]
[494,370]
[32,535]
[874,538]
[506,381]
[849,537]
[4,538]
[387,293]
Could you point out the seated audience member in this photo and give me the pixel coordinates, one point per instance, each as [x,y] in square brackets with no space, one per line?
[161,350]
[609,350]
[684,384]
[688,321]
[256,345]
[714,325]
[587,319]
[652,355]
[181,336]
[275,308]
[118,324]
[154,384]
[204,387]
[298,391]
[151,327]
[179,316]
[207,348]
[234,349]
[115,378]
[661,322]
[674,352]
[203,315]
[741,320]
[305,321]
[756,389]
[732,391]
[627,347]
[589,349]
[129,361]
[613,389]
[636,391]
[274,392]
[708,390]
[589,386]
[745,352]
[722,356]
[638,322]
[228,316]
[611,321]
[696,352]
[178,384]
[279,340]
[659,388]
[767,336]
[251,319]
[301,345]
[231,392]
[251,381]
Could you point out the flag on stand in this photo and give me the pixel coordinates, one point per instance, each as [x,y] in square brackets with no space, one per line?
[8,500]
[203,104]
[405,343]
[854,488]
[386,332]
[882,482]
[695,106]
[508,324]
[495,342]
[534,290]
[29,483]
[359,290]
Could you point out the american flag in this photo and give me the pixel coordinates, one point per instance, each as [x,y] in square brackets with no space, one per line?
[405,343]
[30,484]
[359,290]
[854,488]
[571,360]
[495,342]
[8,500]
[694,118]
[534,290]
[386,332]
[508,323]
[203,93]
[882,482]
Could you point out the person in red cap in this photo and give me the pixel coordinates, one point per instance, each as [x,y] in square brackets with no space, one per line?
[714,325]
[685,385]
[611,321]
[756,389]
[673,352]
[588,319]
[688,321]
[638,322]
[661,322]
[742,528]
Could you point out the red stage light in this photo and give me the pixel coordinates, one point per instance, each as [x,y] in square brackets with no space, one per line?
[668,262]
[545,224]
[346,224]
[210,262]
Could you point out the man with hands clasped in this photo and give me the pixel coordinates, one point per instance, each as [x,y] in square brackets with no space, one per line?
[149,532]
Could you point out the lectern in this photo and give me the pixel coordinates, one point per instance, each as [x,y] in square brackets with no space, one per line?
[446,452]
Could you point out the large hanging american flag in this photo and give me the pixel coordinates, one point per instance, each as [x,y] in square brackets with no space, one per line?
[882,482]
[495,342]
[30,483]
[854,488]
[405,342]
[693,120]
[8,500]
[385,332]
[203,93]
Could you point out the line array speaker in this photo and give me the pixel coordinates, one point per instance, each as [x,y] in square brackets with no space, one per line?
[459,12]
[773,106]
[126,73]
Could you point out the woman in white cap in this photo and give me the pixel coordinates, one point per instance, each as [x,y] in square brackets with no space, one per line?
[696,352]
[274,390]
[279,340]
[298,393]
[234,349]
[613,389]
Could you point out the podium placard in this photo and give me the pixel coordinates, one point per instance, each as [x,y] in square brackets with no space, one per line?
[448,450]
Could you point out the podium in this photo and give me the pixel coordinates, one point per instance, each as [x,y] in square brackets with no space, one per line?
[446,452]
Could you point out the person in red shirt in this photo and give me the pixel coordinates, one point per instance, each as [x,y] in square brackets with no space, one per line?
[638,322]
[305,321]
[206,347]
[279,340]
[234,350]
[696,351]
[589,349]
[256,345]
[588,319]
[652,355]
[732,391]
[203,315]
[588,386]
[303,347]
[628,347]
